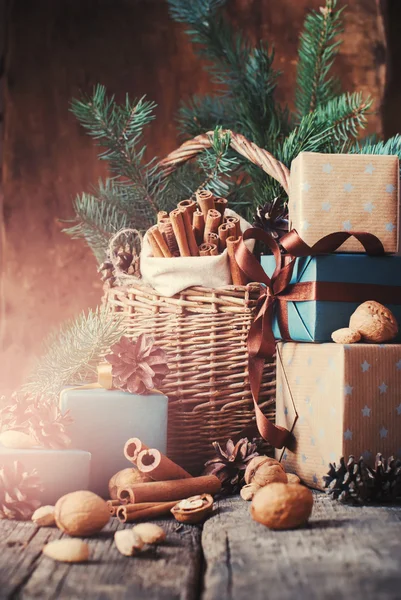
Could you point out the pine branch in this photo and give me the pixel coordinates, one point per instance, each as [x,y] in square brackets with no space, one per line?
[346,115]
[96,222]
[369,146]
[72,353]
[316,53]
[204,113]
[218,163]
[119,129]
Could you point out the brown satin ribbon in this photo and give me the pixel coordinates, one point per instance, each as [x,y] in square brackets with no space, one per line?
[276,291]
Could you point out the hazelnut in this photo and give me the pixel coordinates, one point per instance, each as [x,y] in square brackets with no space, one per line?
[345,336]
[81,513]
[264,470]
[67,550]
[248,491]
[128,542]
[280,506]
[374,322]
[292,478]
[44,516]
[150,533]
[126,478]
[194,509]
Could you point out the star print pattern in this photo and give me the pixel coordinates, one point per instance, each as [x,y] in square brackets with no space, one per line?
[358,413]
[366,182]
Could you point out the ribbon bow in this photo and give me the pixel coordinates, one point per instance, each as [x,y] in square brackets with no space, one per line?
[276,291]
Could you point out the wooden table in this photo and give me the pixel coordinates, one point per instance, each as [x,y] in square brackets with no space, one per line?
[344,553]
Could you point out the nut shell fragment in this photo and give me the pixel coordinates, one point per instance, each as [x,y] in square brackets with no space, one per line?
[128,542]
[248,491]
[150,533]
[346,335]
[81,513]
[292,478]
[264,470]
[281,506]
[44,516]
[71,551]
[194,509]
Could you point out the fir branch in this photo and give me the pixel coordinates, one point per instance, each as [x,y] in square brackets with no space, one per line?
[218,163]
[96,222]
[370,146]
[119,129]
[346,115]
[316,55]
[72,353]
[204,113]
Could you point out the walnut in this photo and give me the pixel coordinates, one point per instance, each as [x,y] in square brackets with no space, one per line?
[150,533]
[264,470]
[345,336]
[374,322]
[194,509]
[81,513]
[126,478]
[67,550]
[281,506]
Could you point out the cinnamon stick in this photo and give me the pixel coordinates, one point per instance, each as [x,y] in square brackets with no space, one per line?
[112,506]
[205,249]
[158,466]
[198,222]
[166,491]
[166,229]
[205,199]
[134,512]
[214,250]
[132,448]
[212,238]
[236,221]
[162,214]
[156,250]
[189,205]
[212,223]
[238,276]
[187,218]
[160,241]
[177,222]
[226,230]
[220,204]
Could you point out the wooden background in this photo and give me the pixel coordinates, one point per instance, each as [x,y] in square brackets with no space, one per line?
[50,51]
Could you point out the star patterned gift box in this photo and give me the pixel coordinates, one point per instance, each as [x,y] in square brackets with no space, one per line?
[338,400]
[345,192]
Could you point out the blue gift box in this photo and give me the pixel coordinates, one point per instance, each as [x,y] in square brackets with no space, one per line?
[105,419]
[314,321]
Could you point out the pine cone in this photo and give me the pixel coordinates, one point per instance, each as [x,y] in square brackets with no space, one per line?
[13,414]
[230,464]
[19,492]
[137,367]
[47,425]
[272,218]
[357,483]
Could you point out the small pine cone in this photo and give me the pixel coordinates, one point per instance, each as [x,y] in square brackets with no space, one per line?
[19,492]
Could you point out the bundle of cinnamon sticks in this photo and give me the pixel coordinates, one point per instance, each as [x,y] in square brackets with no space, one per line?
[168,484]
[198,228]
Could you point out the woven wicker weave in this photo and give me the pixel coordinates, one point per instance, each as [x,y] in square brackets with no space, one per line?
[204,332]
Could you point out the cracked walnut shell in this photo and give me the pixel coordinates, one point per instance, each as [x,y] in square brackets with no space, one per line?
[263,470]
[194,509]
[81,513]
[281,506]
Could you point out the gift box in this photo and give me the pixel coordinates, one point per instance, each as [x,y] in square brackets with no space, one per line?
[355,277]
[337,400]
[105,419]
[344,192]
[60,471]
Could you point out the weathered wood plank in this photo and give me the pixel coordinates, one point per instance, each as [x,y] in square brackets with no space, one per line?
[168,572]
[345,552]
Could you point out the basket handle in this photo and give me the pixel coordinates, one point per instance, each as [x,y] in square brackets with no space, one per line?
[258,156]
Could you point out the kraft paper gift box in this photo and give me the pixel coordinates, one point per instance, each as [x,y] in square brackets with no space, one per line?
[105,419]
[314,321]
[60,471]
[344,192]
[337,400]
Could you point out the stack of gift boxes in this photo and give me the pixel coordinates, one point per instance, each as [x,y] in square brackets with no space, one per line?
[340,399]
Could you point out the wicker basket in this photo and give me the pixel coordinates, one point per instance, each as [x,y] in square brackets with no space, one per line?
[204,332]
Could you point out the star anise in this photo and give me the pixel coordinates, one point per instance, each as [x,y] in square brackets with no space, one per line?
[273,218]
[229,465]
[137,366]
